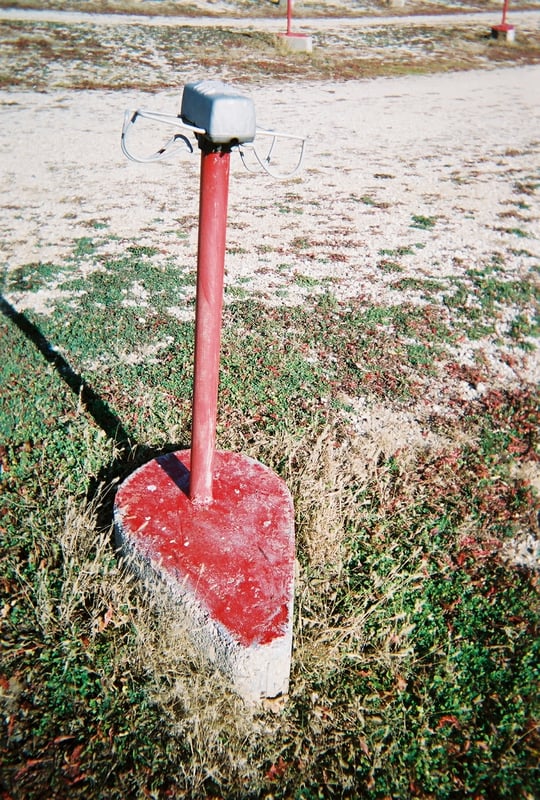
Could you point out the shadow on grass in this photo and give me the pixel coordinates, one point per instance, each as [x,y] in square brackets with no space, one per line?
[96,407]
[129,454]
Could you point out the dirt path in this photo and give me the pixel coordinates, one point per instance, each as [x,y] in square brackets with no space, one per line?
[452,149]
[271,24]
[405,180]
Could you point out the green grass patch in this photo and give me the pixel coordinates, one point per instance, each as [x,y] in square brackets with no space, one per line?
[477,302]
[32,276]
[422,222]
[415,667]
[386,265]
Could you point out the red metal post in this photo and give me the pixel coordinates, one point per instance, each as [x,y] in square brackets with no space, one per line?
[214,191]
[289,17]
[505,11]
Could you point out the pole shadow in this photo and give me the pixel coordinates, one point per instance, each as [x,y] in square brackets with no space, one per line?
[129,453]
[96,407]
[177,472]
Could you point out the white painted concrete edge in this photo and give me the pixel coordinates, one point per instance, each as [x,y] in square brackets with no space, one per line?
[256,673]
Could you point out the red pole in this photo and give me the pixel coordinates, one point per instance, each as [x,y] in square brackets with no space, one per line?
[210,270]
[505,11]
[289,16]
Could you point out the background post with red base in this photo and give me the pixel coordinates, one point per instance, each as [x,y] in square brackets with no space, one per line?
[299,42]
[504,28]
[216,528]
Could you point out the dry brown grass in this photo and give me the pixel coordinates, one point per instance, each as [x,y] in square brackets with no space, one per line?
[326,472]
[49,56]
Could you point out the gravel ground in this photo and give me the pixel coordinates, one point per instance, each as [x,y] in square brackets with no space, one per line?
[430,176]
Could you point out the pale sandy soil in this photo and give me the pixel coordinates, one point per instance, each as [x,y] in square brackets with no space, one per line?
[278,22]
[453,148]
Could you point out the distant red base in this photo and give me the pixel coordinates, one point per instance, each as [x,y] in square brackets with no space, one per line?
[235,555]
[504,27]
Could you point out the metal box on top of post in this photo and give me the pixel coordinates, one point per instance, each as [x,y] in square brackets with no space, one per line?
[227,117]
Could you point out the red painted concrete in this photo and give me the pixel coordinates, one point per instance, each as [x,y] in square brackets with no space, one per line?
[235,555]
[214,189]
[504,27]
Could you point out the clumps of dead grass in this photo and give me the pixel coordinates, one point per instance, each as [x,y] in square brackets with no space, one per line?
[99,601]
[328,472]
[332,474]
[78,571]
[368,507]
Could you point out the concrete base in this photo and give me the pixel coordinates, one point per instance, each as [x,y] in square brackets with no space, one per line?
[504,31]
[229,565]
[297,42]
[395,3]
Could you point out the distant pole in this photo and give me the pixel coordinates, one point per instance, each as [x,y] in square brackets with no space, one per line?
[299,42]
[504,28]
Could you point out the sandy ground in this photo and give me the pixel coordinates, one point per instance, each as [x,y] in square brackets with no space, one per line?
[450,146]
[457,149]
[453,148]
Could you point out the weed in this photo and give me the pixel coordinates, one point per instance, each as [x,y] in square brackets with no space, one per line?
[287,209]
[523,328]
[526,187]
[142,250]
[237,250]
[398,251]
[300,243]
[423,223]
[84,247]
[97,224]
[386,265]
[32,276]
[237,291]
[305,280]
[428,286]
[517,232]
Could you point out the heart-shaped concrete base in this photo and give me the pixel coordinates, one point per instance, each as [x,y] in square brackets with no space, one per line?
[230,562]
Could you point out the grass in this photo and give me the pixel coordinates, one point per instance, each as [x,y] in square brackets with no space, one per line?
[422,222]
[56,56]
[480,300]
[416,657]
[415,667]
